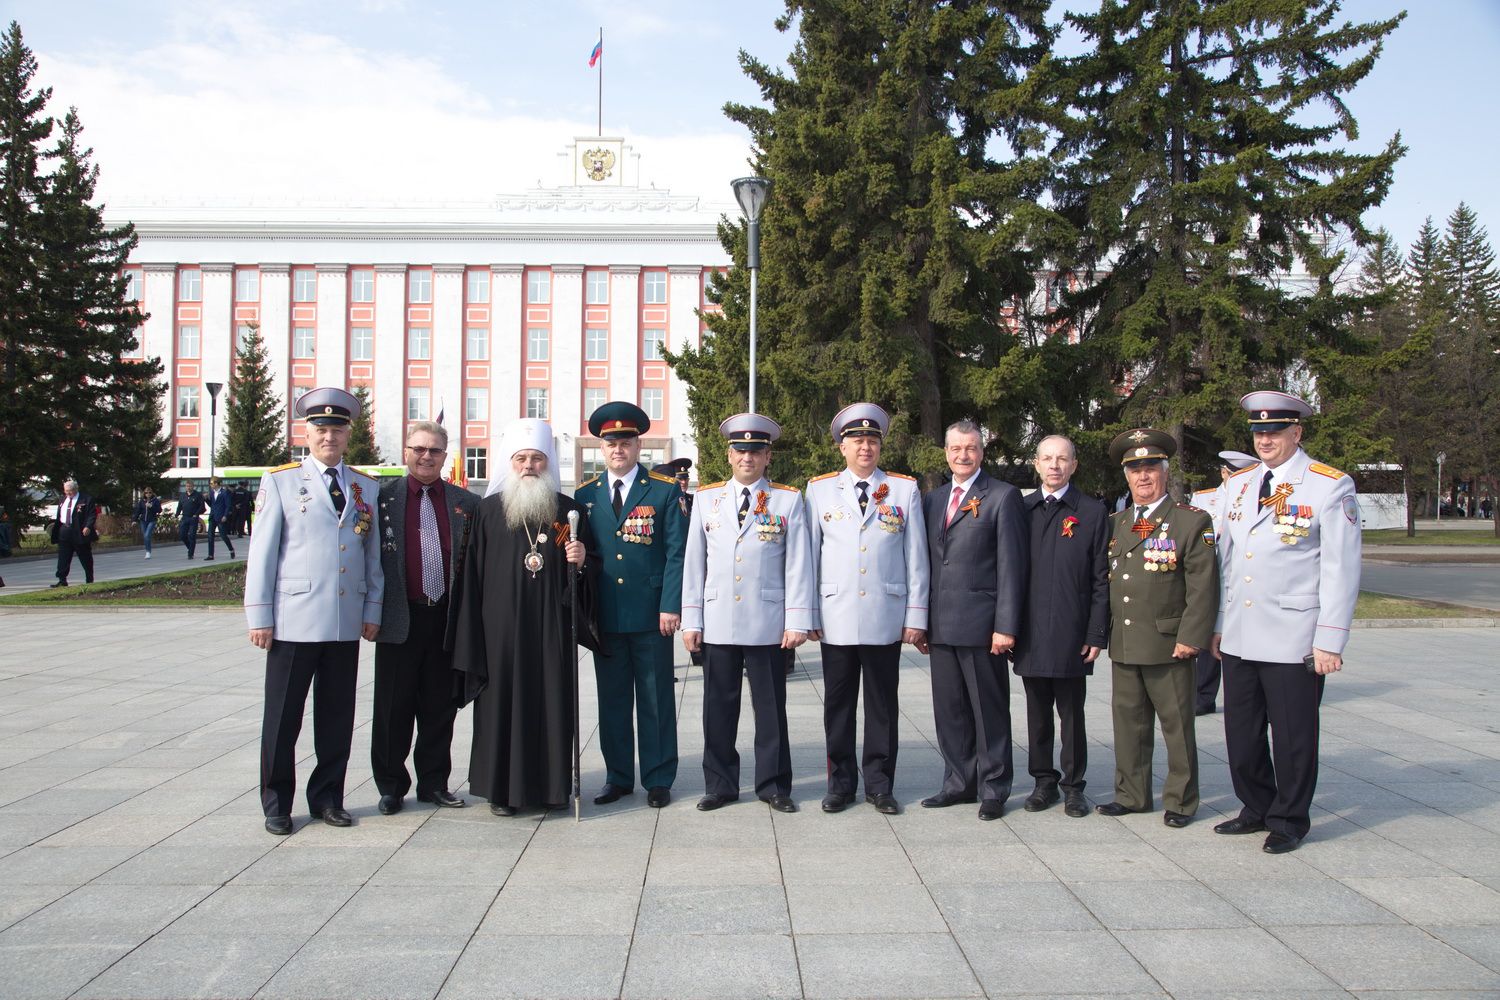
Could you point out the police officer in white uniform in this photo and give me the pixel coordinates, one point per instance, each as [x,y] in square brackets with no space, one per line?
[1289,548]
[747,594]
[313,587]
[869,550]
[1207,500]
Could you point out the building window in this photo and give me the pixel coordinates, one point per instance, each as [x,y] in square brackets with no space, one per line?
[538,287]
[656,288]
[298,391]
[477,463]
[592,463]
[242,338]
[300,452]
[190,285]
[132,286]
[247,286]
[597,284]
[133,349]
[654,342]
[362,343]
[419,286]
[418,403]
[187,341]
[477,344]
[187,458]
[651,400]
[304,340]
[304,285]
[536,404]
[479,286]
[362,285]
[536,344]
[596,344]
[187,402]
[592,399]
[419,343]
[476,404]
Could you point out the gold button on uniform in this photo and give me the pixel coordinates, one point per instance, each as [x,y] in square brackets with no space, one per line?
[862,571]
[619,555]
[1125,599]
[1125,576]
[341,591]
[620,580]
[343,569]
[736,578]
[736,597]
[861,548]
[1247,604]
[861,593]
[342,547]
[1127,621]
[1247,579]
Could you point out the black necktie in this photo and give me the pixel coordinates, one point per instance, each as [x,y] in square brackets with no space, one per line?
[744,503]
[864,498]
[334,491]
[618,501]
[1265,487]
[1051,500]
[1140,512]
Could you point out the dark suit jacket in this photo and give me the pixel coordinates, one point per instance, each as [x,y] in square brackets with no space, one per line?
[220,506]
[1067,601]
[978,564]
[83,529]
[395,618]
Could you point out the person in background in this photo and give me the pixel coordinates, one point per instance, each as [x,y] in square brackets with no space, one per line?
[147,510]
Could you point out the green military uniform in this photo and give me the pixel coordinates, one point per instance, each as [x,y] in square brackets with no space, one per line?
[642,548]
[1163,590]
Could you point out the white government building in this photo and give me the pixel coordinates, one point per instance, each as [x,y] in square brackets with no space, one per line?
[541,304]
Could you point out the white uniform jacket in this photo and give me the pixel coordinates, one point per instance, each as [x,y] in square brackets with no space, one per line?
[871,568]
[744,585]
[1290,578]
[312,575]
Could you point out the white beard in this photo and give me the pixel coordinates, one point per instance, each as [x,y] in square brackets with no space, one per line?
[529,500]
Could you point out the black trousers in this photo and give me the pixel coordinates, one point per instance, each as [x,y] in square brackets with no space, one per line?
[188,532]
[1275,778]
[330,670]
[723,670]
[971,709]
[1208,680]
[220,528]
[66,550]
[843,666]
[1066,694]
[414,688]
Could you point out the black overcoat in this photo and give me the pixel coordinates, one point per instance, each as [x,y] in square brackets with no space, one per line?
[1067,601]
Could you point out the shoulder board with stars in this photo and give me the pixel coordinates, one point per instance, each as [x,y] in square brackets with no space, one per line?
[1325,470]
[712,486]
[1241,472]
[819,479]
[901,475]
[1187,506]
[1199,493]
[588,482]
[289,465]
[661,478]
[784,486]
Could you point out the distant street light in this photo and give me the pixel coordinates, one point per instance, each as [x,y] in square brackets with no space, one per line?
[751,193]
[1440,456]
[213,422]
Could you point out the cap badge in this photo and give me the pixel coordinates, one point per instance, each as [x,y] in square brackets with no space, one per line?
[1142,452]
[327,409]
[864,423]
[747,435]
[1138,437]
[1264,414]
[619,423]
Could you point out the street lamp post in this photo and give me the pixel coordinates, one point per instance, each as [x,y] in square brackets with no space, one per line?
[213,421]
[751,193]
[1440,456]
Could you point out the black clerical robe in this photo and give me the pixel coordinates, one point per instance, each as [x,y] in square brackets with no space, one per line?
[511,642]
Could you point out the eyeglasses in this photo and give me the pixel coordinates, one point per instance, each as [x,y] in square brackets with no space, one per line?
[423,452]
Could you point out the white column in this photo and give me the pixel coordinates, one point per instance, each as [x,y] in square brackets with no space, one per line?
[158,299]
[625,334]
[684,294]
[567,365]
[275,328]
[215,348]
[389,393]
[448,347]
[332,352]
[507,309]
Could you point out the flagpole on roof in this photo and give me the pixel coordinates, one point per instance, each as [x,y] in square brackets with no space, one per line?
[601,80]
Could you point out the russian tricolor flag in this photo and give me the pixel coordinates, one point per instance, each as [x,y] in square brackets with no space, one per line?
[598,51]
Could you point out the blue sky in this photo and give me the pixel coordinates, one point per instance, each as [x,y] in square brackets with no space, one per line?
[393,100]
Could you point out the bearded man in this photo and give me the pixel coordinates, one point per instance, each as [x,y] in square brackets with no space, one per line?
[511,638]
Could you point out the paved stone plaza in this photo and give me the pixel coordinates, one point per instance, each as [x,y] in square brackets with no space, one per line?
[133,863]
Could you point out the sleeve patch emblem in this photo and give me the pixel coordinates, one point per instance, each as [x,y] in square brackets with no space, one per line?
[1351,510]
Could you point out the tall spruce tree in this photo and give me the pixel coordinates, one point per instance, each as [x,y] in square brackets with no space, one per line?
[254,418]
[1467,266]
[362,447]
[892,239]
[1200,165]
[1429,300]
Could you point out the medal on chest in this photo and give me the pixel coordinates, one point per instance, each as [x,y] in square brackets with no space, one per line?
[639,525]
[533,559]
[1292,523]
[1160,554]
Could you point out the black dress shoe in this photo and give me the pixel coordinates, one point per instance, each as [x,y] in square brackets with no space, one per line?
[835,802]
[1201,710]
[884,802]
[390,805]
[208,558]
[1042,798]
[658,796]
[1076,805]
[1281,843]
[279,825]
[59,583]
[1240,825]
[499,809]
[610,793]
[781,803]
[335,816]
[991,809]
[442,797]
[1112,809]
[710,802]
[1176,820]
[942,800]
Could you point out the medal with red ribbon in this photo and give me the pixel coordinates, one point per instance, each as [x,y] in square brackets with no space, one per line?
[1067,526]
